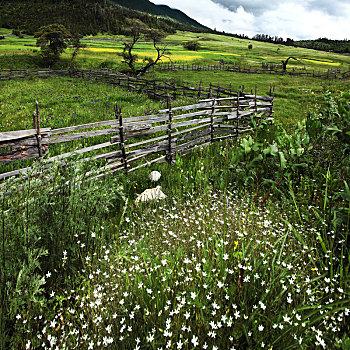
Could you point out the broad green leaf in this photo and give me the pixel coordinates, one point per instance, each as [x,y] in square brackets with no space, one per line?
[300,151]
[282,160]
[245,144]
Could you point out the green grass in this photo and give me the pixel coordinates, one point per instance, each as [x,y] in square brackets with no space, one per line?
[65,102]
[213,48]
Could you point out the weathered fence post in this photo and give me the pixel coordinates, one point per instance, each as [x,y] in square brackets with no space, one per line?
[36,125]
[255,104]
[174,89]
[169,131]
[210,91]
[237,111]
[154,89]
[200,89]
[212,120]
[273,97]
[119,117]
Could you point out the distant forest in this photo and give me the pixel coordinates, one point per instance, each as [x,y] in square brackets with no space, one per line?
[322,44]
[78,16]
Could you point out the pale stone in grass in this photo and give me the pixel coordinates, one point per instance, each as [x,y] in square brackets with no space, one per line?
[155,176]
[150,195]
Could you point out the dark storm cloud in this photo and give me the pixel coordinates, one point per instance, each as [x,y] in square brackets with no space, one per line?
[332,8]
[257,7]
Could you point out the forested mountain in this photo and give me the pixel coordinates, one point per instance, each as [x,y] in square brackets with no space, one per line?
[324,44]
[79,16]
[160,10]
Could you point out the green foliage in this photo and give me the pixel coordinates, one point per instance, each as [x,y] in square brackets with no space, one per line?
[324,44]
[138,30]
[53,40]
[191,45]
[78,16]
[161,11]
[317,149]
[250,46]
[49,222]
[17,33]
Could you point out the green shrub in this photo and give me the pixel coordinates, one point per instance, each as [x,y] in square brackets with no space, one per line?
[192,45]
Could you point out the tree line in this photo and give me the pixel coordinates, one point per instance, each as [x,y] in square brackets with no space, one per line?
[322,44]
[85,17]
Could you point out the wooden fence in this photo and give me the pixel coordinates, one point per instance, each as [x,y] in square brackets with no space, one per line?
[132,139]
[155,89]
[329,74]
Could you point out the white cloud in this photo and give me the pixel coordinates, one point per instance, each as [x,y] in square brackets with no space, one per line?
[214,15]
[297,19]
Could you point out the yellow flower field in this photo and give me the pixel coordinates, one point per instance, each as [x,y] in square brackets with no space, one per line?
[142,54]
[101,49]
[322,62]
[221,53]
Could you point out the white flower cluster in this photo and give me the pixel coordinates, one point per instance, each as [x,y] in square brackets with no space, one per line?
[217,273]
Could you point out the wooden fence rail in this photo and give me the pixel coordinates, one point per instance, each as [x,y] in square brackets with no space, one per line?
[329,74]
[171,131]
[154,89]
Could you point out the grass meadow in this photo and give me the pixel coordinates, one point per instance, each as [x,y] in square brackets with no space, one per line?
[249,250]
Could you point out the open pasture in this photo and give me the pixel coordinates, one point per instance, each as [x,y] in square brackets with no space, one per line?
[105,50]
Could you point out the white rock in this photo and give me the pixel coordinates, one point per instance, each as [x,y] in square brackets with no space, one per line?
[155,175]
[150,195]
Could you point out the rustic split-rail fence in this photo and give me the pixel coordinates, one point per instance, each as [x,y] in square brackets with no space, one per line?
[265,69]
[153,88]
[139,140]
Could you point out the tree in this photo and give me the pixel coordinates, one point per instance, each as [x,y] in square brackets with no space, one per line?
[284,63]
[77,46]
[192,45]
[138,30]
[53,40]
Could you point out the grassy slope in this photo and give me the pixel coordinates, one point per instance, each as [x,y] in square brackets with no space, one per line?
[294,95]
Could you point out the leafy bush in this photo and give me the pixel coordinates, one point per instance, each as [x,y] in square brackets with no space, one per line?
[17,33]
[53,40]
[191,45]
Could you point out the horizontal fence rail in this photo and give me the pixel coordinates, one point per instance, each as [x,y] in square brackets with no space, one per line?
[133,139]
[154,89]
[265,69]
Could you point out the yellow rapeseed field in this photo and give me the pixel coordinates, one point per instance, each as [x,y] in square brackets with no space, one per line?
[221,53]
[322,62]
[142,54]
[102,49]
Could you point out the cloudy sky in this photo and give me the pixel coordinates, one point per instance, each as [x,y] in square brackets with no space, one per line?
[297,19]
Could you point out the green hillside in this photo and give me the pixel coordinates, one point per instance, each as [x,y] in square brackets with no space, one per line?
[80,16]
[160,10]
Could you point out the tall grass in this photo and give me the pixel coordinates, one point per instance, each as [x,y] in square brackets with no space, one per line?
[47,221]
